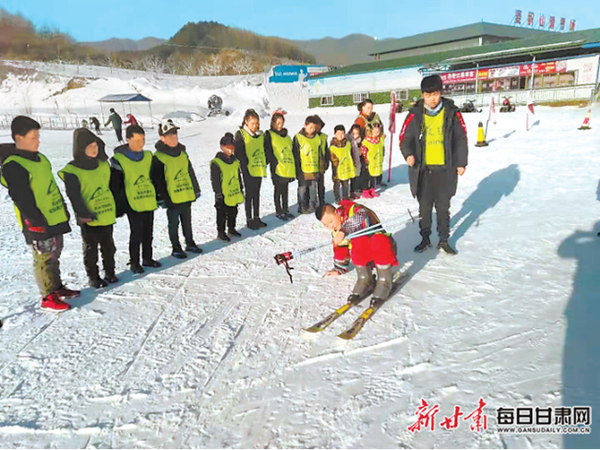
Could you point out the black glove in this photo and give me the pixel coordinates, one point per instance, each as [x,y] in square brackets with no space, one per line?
[162,204]
[219,200]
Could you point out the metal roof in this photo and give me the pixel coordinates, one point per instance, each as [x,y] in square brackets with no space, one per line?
[120,98]
[531,46]
[457,34]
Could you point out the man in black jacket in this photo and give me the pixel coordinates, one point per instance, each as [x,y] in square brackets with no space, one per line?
[433,141]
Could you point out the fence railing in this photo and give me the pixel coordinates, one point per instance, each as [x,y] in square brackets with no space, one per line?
[62,122]
[554,95]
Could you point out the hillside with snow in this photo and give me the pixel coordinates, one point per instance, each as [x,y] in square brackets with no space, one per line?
[210,351]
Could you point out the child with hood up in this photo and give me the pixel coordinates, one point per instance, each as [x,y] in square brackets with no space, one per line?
[87,180]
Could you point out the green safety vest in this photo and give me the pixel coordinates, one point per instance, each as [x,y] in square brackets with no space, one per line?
[95,192]
[435,154]
[346,168]
[323,145]
[230,182]
[282,149]
[255,151]
[139,189]
[375,156]
[177,176]
[309,153]
[48,198]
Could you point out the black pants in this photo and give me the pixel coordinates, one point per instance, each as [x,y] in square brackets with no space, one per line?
[119,133]
[321,188]
[341,189]
[141,225]
[433,191]
[226,215]
[92,238]
[176,214]
[308,196]
[281,195]
[356,184]
[252,187]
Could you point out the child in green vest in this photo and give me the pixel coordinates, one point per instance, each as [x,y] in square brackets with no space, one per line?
[87,180]
[250,151]
[324,158]
[226,180]
[40,208]
[176,187]
[135,195]
[373,152]
[278,148]
[342,163]
[307,155]
[355,138]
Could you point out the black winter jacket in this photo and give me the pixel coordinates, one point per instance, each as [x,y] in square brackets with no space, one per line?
[412,141]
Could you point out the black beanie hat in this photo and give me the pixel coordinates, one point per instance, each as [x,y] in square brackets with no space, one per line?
[339,128]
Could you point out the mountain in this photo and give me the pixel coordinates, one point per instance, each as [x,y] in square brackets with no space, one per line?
[125,45]
[352,49]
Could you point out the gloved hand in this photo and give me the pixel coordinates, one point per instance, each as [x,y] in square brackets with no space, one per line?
[219,200]
[162,204]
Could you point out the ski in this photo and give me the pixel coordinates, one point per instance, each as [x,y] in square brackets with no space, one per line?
[350,333]
[322,324]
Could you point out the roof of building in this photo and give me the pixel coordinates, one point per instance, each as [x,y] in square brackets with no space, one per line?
[530,46]
[457,34]
[116,98]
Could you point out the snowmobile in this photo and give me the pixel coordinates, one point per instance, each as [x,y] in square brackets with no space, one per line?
[469,107]
[507,106]
[215,106]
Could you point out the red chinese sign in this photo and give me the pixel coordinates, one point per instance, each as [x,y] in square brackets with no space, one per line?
[542,21]
[552,23]
[530,19]
[459,77]
[426,418]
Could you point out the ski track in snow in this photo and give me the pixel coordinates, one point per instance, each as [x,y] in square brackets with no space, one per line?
[210,351]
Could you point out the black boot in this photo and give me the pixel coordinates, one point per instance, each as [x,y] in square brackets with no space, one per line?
[444,245]
[424,245]
[363,286]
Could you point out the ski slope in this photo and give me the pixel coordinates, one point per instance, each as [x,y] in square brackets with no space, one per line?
[210,351]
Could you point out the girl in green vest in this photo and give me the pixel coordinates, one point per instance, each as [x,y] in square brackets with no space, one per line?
[176,187]
[87,180]
[40,209]
[226,180]
[278,148]
[373,153]
[250,151]
[342,163]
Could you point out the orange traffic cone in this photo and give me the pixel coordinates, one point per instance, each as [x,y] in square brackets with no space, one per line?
[586,121]
[481,142]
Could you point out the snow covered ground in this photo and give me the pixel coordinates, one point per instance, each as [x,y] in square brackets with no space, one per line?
[210,352]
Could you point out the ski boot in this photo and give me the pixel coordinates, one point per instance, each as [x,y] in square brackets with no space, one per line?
[383,287]
[363,286]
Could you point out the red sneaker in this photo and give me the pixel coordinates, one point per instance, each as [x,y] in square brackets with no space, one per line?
[373,193]
[65,293]
[366,194]
[54,303]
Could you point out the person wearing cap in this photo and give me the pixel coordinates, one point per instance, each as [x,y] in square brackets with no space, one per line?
[226,180]
[278,148]
[250,151]
[307,154]
[87,181]
[135,195]
[433,140]
[323,158]
[176,187]
[117,124]
[343,168]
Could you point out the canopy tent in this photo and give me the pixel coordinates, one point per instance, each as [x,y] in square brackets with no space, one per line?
[126,99]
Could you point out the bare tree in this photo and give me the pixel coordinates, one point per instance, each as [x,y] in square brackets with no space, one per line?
[242,66]
[188,64]
[154,64]
[173,63]
[212,67]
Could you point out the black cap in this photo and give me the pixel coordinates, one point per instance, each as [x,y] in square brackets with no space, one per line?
[319,121]
[226,140]
[431,84]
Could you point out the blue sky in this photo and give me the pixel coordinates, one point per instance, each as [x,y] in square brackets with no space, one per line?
[93,20]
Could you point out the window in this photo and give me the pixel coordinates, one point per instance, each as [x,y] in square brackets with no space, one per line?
[327,100]
[361,97]
[566,79]
[402,95]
